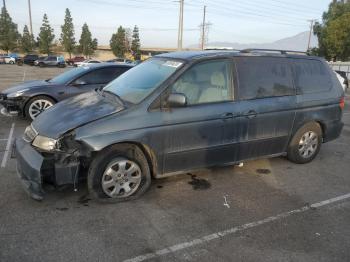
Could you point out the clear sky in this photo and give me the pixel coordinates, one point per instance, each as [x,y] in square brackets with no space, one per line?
[242,21]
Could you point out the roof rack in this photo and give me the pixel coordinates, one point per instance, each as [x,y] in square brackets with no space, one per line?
[283,52]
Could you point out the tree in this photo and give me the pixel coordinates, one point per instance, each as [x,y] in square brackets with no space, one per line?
[87,45]
[8,32]
[334,32]
[27,41]
[46,36]
[67,34]
[135,44]
[117,43]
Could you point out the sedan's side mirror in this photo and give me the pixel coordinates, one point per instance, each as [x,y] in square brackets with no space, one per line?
[79,82]
[177,100]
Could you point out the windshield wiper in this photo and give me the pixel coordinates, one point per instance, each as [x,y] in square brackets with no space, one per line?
[114,94]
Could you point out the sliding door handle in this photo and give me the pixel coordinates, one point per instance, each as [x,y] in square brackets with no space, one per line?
[250,114]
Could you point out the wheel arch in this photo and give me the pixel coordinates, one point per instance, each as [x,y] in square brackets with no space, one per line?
[316,121]
[145,149]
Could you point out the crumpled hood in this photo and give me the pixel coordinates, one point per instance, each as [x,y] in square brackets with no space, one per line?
[74,112]
[28,84]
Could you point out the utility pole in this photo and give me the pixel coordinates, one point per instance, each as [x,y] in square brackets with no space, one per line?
[181,21]
[30,18]
[203,28]
[311,25]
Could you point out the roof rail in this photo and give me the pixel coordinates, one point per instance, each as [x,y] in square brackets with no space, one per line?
[283,52]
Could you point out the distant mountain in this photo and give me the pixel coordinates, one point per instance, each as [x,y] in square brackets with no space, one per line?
[297,43]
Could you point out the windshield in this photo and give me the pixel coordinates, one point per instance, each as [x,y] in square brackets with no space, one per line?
[69,75]
[137,83]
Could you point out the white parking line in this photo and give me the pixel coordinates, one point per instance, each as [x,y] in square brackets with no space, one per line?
[8,145]
[218,235]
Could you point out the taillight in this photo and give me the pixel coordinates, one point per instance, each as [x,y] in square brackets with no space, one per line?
[342,103]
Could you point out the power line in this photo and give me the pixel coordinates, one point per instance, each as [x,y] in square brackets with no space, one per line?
[237,10]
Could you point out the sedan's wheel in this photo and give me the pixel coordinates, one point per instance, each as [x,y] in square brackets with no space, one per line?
[119,173]
[11,62]
[305,144]
[37,105]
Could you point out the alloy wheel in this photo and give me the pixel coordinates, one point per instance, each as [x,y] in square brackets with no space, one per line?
[38,106]
[121,178]
[308,144]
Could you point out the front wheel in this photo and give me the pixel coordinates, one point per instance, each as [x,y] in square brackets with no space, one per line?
[37,105]
[119,173]
[305,144]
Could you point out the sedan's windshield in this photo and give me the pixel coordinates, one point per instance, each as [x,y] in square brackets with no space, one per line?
[68,75]
[137,83]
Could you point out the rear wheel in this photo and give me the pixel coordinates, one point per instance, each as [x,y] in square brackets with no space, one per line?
[119,173]
[305,144]
[37,105]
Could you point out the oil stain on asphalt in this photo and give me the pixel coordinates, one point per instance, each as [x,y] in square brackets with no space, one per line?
[84,200]
[263,171]
[198,183]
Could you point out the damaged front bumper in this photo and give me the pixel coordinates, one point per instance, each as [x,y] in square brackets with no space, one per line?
[11,106]
[35,168]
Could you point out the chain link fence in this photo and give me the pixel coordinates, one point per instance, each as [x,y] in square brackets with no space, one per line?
[341,66]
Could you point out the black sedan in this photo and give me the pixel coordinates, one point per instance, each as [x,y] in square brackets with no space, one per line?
[31,98]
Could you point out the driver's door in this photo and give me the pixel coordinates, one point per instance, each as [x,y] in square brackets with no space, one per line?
[194,135]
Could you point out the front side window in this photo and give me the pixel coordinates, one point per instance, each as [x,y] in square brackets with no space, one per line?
[137,83]
[206,82]
[51,58]
[261,77]
[102,76]
[69,75]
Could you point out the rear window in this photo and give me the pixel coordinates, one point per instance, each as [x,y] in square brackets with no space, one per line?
[311,76]
[261,77]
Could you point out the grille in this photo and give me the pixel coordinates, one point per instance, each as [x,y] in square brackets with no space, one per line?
[29,134]
[2,97]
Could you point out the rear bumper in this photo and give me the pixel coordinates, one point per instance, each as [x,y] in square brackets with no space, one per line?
[332,131]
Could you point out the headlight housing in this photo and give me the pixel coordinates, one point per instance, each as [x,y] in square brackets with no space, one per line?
[45,143]
[17,94]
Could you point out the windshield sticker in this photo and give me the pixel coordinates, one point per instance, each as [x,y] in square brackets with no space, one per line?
[172,64]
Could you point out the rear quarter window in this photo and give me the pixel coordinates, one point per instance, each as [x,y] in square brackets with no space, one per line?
[311,76]
[260,77]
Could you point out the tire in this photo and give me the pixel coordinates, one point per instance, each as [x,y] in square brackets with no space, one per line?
[42,102]
[305,144]
[112,157]
[41,64]
[11,63]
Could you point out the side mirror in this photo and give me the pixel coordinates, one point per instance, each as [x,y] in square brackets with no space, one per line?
[177,100]
[79,82]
